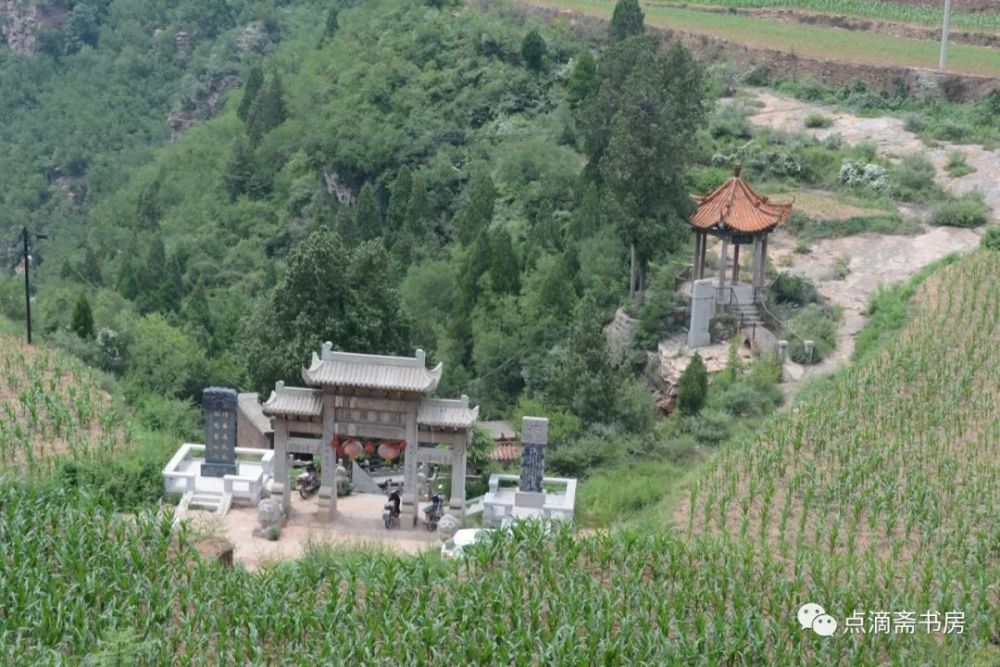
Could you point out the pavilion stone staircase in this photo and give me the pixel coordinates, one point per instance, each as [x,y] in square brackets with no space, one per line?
[748,315]
[217,502]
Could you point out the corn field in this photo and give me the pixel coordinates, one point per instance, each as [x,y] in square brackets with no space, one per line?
[51,409]
[81,585]
[874,9]
[892,481]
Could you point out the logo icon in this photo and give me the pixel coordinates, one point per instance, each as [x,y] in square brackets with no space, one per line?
[812,615]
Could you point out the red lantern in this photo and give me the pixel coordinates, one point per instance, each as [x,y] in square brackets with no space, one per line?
[353,449]
[387,451]
[369,447]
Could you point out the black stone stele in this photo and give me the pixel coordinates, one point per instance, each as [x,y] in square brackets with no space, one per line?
[219,404]
[532,467]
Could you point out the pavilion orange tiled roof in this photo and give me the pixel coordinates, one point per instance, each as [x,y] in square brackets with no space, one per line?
[735,205]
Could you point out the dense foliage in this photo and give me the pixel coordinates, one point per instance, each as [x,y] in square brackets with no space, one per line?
[396,176]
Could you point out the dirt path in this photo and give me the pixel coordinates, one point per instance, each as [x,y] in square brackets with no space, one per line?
[358,525]
[891,138]
[874,259]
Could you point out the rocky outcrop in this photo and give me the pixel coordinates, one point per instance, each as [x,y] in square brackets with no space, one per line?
[20,21]
[204,108]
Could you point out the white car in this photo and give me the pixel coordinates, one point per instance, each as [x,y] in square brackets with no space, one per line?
[463,538]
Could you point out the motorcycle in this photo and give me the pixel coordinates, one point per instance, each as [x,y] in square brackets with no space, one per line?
[308,482]
[390,511]
[434,512]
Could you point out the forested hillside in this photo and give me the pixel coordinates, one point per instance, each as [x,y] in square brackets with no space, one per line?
[391,176]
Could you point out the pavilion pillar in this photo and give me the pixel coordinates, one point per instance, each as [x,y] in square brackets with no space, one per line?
[701,260]
[697,268]
[459,453]
[763,260]
[279,483]
[409,507]
[722,264]
[328,462]
[736,263]
[758,268]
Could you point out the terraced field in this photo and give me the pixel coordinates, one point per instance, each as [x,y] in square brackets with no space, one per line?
[51,409]
[816,42]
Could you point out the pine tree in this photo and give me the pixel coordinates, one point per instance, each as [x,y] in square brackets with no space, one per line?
[332,22]
[90,270]
[148,208]
[692,388]
[255,80]
[367,223]
[239,170]
[583,82]
[505,270]
[627,20]
[399,199]
[533,50]
[418,209]
[268,110]
[477,213]
[82,322]
[582,379]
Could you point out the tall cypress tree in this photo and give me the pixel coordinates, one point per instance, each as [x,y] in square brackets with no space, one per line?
[626,21]
[477,213]
[366,221]
[82,323]
[255,80]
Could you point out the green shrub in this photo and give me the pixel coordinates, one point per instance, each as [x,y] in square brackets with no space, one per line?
[802,247]
[797,290]
[742,399]
[692,388]
[818,324]
[818,120]
[635,408]
[991,239]
[965,211]
[577,458]
[842,267]
[710,427]
[913,179]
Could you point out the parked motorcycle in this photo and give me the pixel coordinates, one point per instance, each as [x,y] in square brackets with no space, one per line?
[308,482]
[390,512]
[434,512]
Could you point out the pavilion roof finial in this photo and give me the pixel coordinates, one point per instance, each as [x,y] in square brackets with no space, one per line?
[737,168]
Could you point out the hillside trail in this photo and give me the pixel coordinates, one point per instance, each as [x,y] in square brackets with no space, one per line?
[873,259]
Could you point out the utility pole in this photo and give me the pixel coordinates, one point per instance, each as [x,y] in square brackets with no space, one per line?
[943,64]
[27,281]
[27,277]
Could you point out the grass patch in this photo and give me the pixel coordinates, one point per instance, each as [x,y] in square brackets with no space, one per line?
[615,494]
[957,166]
[817,121]
[815,230]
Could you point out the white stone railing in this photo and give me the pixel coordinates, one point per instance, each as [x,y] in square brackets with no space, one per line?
[243,487]
[500,502]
